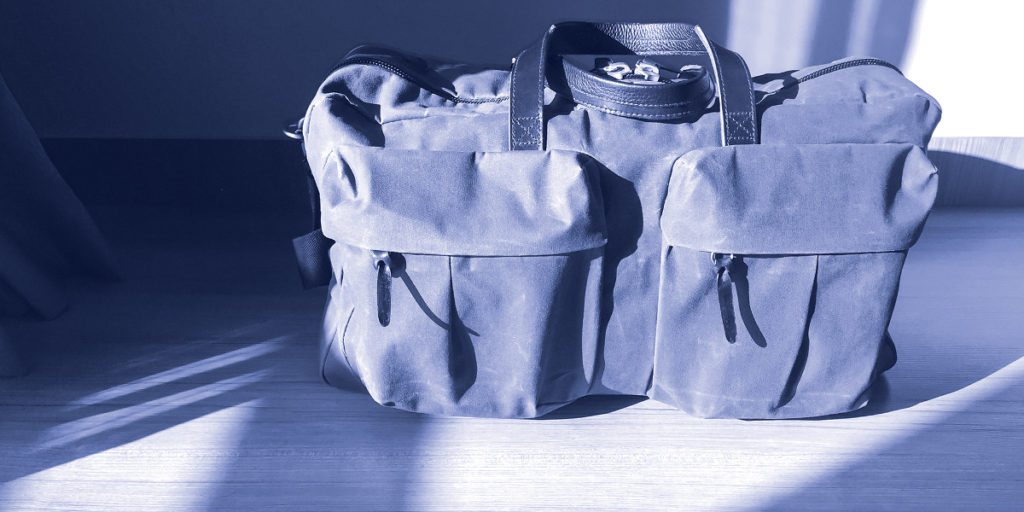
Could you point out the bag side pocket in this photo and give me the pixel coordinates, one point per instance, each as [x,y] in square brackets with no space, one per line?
[474,277]
[780,269]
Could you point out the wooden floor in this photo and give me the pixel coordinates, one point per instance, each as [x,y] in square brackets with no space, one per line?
[192,385]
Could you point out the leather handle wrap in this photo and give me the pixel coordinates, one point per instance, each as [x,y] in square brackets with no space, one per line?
[731,76]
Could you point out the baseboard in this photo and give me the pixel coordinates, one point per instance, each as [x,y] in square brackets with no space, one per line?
[268,175]
[206,175]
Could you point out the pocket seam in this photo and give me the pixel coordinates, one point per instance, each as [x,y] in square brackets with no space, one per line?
[344,354]
[344,349]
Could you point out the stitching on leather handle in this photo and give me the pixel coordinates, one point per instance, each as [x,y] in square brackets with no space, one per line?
[753,105]
[512,104]
[716,69]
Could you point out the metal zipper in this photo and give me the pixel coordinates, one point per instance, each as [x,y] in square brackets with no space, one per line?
[379,63]
[831,69]
[453,96]
[847,64]
[448,94]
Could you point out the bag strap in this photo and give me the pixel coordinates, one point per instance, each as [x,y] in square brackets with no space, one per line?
[312,250]
[529,71]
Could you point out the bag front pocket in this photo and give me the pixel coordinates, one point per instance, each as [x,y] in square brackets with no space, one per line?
[780,268]
[472,278]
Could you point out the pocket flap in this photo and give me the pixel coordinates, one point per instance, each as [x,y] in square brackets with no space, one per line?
[520,203]
[799,199]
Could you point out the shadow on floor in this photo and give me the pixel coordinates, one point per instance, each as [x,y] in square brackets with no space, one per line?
[210,318]
[966,180]
[888,475]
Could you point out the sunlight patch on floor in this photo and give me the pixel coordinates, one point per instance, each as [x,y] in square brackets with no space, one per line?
[96,424]
[188,370]
[870,435]
[678,462]
[862,438]
[156,472]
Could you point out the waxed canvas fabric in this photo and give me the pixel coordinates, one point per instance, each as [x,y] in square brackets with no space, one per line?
[524,280]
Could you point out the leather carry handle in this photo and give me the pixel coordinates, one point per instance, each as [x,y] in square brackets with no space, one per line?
[529,72]
[685,98]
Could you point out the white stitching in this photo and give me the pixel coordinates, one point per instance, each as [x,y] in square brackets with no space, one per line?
[719,78]
[753,105]
[739,126]
[541,79]
[523,125]
[512,104]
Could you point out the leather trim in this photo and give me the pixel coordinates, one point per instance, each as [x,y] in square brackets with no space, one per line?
[529,76]
[677,100]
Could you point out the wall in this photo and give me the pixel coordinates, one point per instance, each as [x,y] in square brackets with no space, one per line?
[241,69]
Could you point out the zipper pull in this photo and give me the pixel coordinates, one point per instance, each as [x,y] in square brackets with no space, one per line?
[616,70]
[723,270]
[648,70]
[383,262]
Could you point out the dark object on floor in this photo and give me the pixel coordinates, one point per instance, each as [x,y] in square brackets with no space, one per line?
[46,236]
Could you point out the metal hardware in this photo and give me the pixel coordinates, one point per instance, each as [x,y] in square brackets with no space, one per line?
[616,70]
[648,70]
[294,130]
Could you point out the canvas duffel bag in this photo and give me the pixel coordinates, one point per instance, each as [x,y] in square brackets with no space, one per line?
[625,211]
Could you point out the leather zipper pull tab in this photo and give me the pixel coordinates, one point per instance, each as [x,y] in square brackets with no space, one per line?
[723,270]
[382,262]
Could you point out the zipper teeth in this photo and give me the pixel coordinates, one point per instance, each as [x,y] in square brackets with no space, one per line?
[376,62]
[402,73]
[496,99]
[848,64]
[830,69]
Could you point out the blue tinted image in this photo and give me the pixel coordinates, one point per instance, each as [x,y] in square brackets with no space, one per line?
[589,255]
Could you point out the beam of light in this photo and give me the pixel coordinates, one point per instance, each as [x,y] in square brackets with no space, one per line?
[188,370]
[966,111]
[177,468]
[883,432]
[74,431]
[786,42]
[674,462]
[868,436]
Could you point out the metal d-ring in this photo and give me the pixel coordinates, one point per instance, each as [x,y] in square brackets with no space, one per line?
[294,130]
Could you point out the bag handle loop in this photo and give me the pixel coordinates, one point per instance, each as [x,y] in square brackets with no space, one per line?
[731,76]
